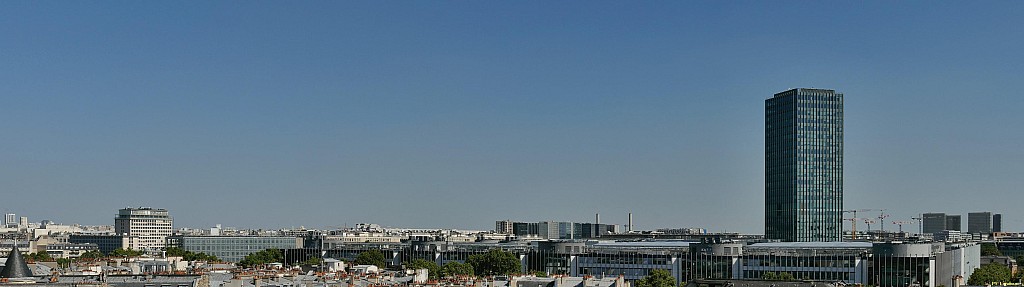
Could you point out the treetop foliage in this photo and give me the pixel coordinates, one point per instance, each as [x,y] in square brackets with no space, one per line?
[262,257]
[494,262]
[371,257]
[657,278]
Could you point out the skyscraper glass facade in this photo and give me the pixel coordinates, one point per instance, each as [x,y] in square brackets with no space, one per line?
[804,165]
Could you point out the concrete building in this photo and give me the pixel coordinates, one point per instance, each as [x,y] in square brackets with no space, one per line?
[233,248]
[632,260]
[949,236]
[924,264]
[503,226]
[804,165]
[10,220]
[70,250]
[555,229]
[150,225]
[878,264]
[979,222]
[997,223]
[104,243]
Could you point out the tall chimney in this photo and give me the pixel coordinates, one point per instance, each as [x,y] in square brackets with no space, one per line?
[597,218]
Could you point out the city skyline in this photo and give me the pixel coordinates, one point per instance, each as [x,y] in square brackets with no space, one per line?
[444,115]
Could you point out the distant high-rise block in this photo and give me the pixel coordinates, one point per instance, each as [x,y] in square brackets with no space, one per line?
[150,226]
[804,165]
[10,220]
[953,222]
[503,226]
[933,222]
[997,223]
[979,222]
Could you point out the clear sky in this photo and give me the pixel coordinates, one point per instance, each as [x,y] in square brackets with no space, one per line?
[460,113]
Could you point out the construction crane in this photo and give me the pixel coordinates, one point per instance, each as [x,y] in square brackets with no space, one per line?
[869,221]
[853,221]
[920,224]
[901,223]
[881,218]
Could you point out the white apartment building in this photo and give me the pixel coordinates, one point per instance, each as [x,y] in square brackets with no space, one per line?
[150,226]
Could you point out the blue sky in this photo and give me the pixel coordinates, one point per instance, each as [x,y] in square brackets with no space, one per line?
[456,114]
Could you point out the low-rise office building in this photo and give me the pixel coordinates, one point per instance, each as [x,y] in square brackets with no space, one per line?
[233,248]
[70,250]
[928,264]
[105,243]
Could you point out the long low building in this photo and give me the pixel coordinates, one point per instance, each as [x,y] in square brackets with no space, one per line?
[233,248]
[106,242]
[882,264]
[927,264]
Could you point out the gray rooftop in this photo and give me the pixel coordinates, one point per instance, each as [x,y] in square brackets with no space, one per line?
[15,266]
[645,244]
[822,245]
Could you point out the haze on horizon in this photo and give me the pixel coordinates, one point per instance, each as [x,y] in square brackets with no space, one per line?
[457,114]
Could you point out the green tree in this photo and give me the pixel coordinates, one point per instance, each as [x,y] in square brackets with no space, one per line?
[262,257]
[371,257]
[433,270]
[64,262]
[312,261]
[39,257]
[657,278]
[176,251]
[494,262]
[990,249]
[126,253]
[782,276]
[452,269]
[540,274]
[91,255]
[189,255]
[990,273]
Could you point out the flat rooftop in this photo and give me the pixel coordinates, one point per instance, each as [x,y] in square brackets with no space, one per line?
[822,245]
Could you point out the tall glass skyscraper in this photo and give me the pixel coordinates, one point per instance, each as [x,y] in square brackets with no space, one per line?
[804,165]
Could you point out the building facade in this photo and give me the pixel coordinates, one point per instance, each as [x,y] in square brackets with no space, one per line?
[233,248]
[883,264]
[953,222]
[104,243]
[933,222]
[979,222]
[503,226]
[804,165]
[151,226]
[10,220]
[555,229]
